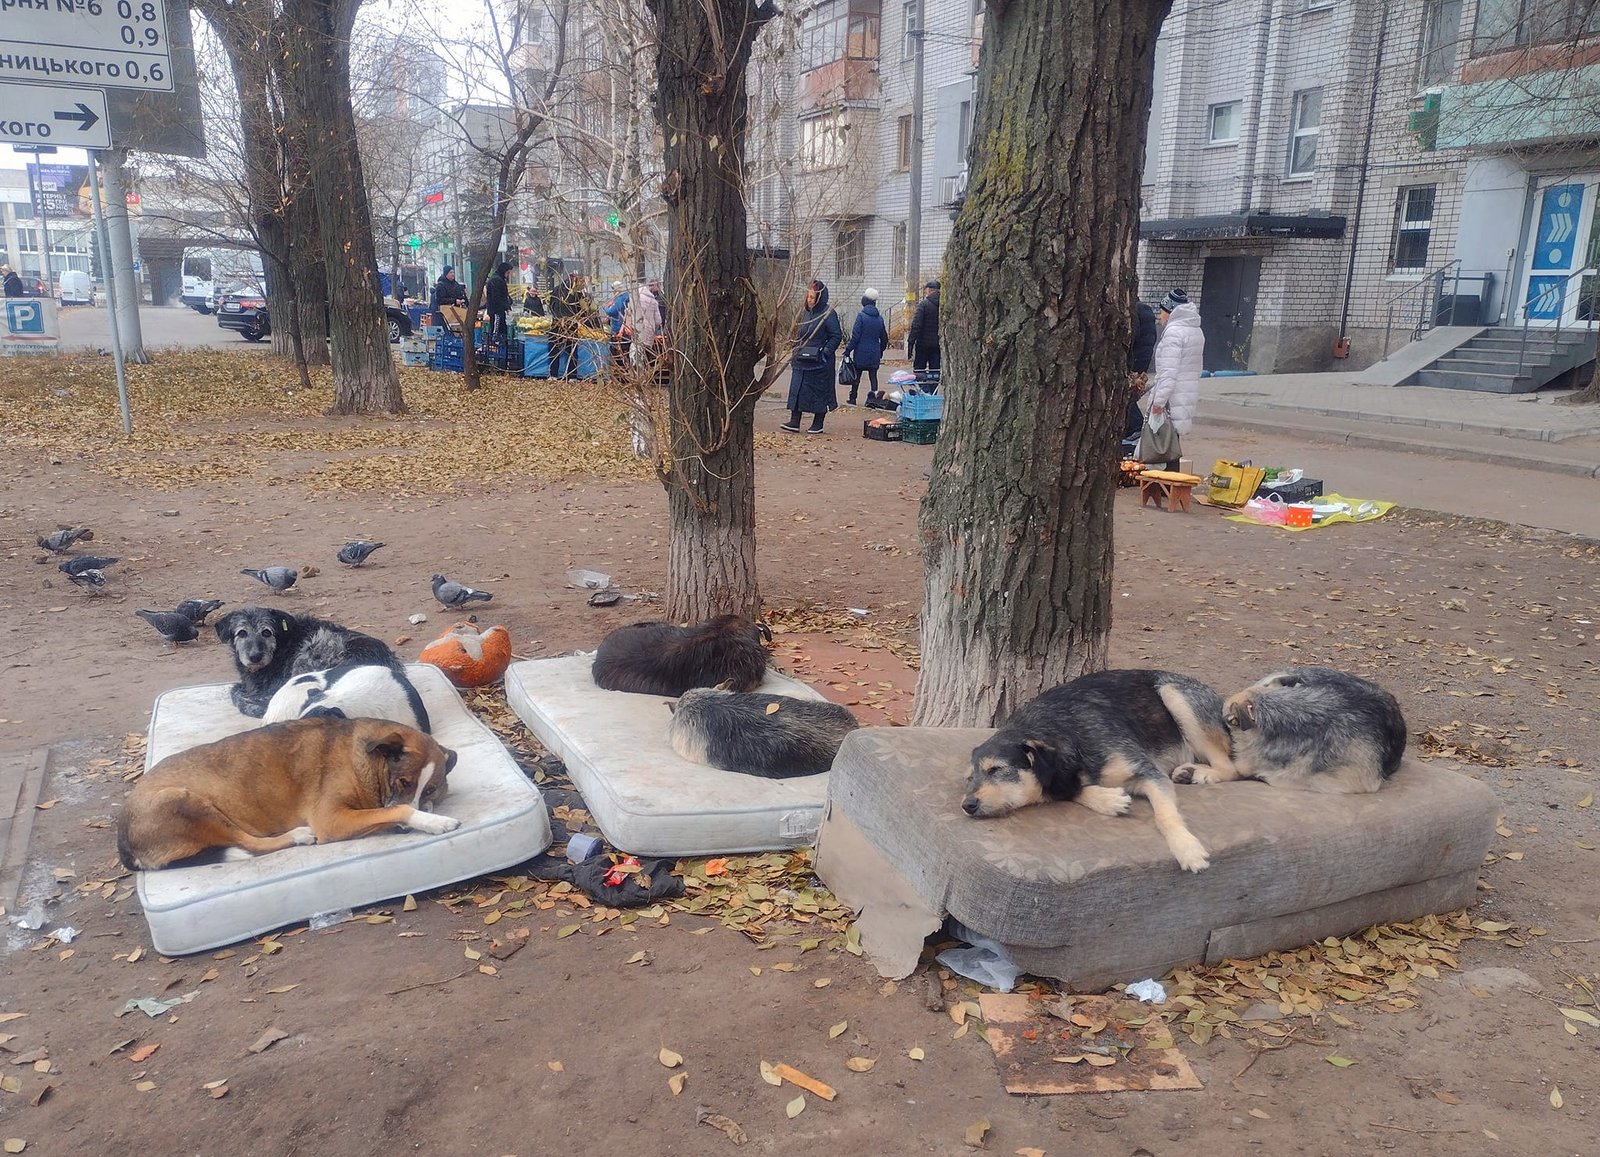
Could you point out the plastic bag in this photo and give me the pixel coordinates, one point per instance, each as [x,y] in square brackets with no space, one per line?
[985,961]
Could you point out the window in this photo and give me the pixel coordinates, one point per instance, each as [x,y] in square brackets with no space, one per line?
[850,249]
[842,30]
[1316,5]
[903,144]
[964,130]
[897,252]
[1305,129]
[1413,226]
[22,210]
[908,38]
[822,142]
[1506,23]
[1441,27]
[1224,120]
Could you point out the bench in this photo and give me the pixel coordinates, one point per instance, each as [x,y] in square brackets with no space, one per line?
[1169,485]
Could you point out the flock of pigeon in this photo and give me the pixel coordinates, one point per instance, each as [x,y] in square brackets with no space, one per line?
[182,624]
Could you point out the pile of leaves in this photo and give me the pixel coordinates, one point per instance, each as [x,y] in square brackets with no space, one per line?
[891,627]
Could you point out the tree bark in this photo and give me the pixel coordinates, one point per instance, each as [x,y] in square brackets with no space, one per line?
[702,50]
[316,74]
[1016,527]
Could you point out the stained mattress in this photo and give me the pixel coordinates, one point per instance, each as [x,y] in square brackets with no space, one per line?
[1091,900]
[645,797]
[503,822]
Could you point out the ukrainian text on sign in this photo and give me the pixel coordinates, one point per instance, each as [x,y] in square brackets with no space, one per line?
[105,43]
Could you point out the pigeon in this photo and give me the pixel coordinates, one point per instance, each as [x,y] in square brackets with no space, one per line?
[62,540]
[455,594]
[88,578]
[196,610]
[355,553]
[279,578]
[174,626]
[85,562]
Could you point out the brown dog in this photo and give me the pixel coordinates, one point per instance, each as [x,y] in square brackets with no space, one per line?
[308,781]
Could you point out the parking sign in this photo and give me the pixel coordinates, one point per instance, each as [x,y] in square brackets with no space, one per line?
[30,326]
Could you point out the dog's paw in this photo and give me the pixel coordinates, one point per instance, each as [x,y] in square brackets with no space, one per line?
[1197,773]
[234,855]
[433,825]
[1106,801]
[1191,855]
[303,836]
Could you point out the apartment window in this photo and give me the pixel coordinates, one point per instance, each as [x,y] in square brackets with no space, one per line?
[842,30]
[897,252]
[822,142]
[1224,121]
[903,144]
[1441,28]
[1304,132]
[22,210]
[908,37]
[1507,23]
[1317,5]
[850,249]
[964,130]
[1413,227]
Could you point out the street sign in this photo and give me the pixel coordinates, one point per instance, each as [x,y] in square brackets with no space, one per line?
[105,43]
[30,113]
[28,326]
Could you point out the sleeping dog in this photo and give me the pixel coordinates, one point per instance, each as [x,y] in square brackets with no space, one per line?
[1100,740]
[271,647]
[665,659]
[309,781]
[353,691]
[776,736]
[1312,728]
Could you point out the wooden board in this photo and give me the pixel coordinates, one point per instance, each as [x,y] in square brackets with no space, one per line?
[1035,1041]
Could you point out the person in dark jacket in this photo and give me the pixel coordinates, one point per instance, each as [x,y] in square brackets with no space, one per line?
[811,383]
[13,283]
[922,339]
[497,301]
[448,293]
[532,303]
[869,337]
[567,307]
[1139,354]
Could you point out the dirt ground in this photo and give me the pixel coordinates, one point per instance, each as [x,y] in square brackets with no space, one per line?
[397,1038]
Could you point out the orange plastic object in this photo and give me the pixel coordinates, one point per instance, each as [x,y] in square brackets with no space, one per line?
[1298,515]
[468,657]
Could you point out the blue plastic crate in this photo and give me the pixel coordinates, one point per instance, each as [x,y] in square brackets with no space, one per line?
[922,407]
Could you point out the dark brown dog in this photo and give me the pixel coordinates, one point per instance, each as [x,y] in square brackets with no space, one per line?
[665,659]
[308,781]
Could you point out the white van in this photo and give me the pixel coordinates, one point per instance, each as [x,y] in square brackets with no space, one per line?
[74,287]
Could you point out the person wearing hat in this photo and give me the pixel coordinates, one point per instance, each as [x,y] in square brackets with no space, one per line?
[1176,365]
[869,337]
[922,339]
[817,335]
[13,283]
[448,295]
[497,302]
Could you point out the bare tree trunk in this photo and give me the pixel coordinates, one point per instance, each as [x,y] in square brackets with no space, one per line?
[1589,395]
[703,48]
[1016,526]
[316,76]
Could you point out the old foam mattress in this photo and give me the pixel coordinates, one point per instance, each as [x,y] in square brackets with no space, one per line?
[645,797]
[1092,900]
[503,822]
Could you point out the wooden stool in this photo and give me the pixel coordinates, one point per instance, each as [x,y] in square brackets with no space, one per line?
[1168,484]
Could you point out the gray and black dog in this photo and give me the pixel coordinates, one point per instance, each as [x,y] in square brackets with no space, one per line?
[1311,728]
[271,647]
[657,658]
[741,731]
[1101,739]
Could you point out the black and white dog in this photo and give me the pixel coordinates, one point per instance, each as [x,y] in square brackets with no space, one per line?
[1312,728]
[776,736]
[271,647]
[353,691]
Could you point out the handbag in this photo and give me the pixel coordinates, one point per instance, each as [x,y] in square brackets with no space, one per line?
[849,375]
[1233,483]
[809,354]
[1158,441]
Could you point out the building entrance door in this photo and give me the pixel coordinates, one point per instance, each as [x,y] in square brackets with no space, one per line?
[1228,310]
[1565,241]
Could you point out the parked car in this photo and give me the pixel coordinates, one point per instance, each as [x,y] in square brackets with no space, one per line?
[74,287]
[245,309]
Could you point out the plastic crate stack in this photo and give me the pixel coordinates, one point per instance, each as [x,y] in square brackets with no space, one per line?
[920,415]
[448,354]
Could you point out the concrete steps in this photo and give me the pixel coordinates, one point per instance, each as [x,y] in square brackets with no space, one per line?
[1507,361]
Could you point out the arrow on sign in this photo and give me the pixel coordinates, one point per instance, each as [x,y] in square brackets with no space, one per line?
[85,116]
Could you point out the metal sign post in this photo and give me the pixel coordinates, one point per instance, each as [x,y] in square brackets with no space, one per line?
[111,294]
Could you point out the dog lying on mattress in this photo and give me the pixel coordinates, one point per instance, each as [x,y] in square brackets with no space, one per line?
[308,781]
[775,736]
[657,658]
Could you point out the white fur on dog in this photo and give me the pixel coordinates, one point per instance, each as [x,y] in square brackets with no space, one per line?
[367,692]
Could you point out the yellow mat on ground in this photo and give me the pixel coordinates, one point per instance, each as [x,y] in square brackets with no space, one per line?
[1327,510]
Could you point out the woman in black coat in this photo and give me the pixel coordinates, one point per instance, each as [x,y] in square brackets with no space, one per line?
[811,383]
[869,337]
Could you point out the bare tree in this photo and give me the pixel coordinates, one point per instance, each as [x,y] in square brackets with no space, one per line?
[1016,526]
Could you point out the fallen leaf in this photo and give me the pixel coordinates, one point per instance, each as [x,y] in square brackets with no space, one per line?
[976,1132]
[555,1066]
[38,1098]
[143,1053]
[676,1082]
[267,1039]
[755,970]
[474,954]
[410,905]
[838,1029]
[772,708]
[10,1085]
[717,867]
[1339,1062]
[493,917]
[768,1075]
[916,1054]
[1447,1098]
[47,804]
[145,1086]
[1028,1152]
[1586,800]
[1580,1016]
[219,1092]
[209,1085]
[210,975]
[15,1145]
[1099,1061]
[859,1064]
[282,988]
[669,1058]
[8,1016]
[823,983]
[795,1107]
[1261,1114]
[727,1124]
[1555,1098]
[133,957]
[567,931]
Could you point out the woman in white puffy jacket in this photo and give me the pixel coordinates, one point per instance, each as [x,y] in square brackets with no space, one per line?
[1179,358]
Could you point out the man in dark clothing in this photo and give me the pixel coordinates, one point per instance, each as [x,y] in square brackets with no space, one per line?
[448,294]
[922,339]
[13,283]
[497,300]
[566,315]
[1139,355]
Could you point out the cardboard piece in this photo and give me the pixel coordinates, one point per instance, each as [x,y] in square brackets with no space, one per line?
[1043,1052]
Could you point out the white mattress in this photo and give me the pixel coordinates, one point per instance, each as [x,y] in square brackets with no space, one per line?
[646,798]
[503,822]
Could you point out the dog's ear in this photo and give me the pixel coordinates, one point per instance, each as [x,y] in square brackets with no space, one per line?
[388,746]
[225,625]
[672,706]
[1043,759]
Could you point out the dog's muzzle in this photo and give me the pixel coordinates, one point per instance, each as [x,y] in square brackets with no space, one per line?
[970,805]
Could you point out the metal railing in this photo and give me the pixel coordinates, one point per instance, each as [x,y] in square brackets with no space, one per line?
[1560,297]
[1426,291]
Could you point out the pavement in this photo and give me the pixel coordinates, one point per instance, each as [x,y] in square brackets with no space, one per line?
[85,327]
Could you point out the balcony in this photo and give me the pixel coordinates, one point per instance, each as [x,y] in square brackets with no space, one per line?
[839,54]
[1545,107]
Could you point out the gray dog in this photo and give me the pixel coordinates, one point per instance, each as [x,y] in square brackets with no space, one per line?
[741,731]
